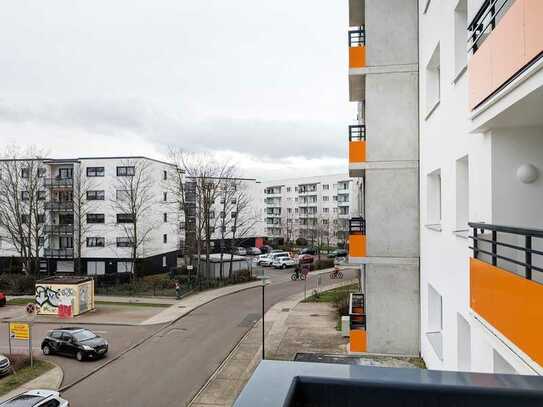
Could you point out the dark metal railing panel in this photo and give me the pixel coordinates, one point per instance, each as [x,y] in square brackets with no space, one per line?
[485,21]
[357,37]
[497,232]
[58,229]
[58,182]
[65,253]
[357,132]
[59,206]
[357,225]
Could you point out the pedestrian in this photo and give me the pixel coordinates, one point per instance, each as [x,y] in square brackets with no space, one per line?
[178,290]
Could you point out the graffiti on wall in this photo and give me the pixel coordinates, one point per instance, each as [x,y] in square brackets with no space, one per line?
[55,300]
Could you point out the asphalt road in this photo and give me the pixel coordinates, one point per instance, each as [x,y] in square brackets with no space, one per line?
[170,368]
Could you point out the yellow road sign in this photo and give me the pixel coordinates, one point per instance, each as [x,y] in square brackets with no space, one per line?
[19,330]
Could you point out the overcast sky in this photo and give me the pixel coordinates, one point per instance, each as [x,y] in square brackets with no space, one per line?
[261,81]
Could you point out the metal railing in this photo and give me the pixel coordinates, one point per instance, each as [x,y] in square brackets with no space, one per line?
[59,229]
[357,226]
[58,182]
[526,249]
[59,206]
[357,132]
[357,37]
[66,253]
[485,21]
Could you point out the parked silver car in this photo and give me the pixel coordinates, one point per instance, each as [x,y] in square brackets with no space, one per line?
[36,398]
[5,365]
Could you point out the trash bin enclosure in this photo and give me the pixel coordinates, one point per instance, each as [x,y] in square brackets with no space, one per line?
[65,296]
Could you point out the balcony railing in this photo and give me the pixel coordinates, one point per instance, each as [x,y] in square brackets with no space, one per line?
[506,290]
[357,143]
[58,182]
[59,206]
[59,229]
[484,22]
[357,226]
[62,253]
[357,237]
[357,37]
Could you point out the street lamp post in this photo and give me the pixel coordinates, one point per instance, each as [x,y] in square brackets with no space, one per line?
[264,279]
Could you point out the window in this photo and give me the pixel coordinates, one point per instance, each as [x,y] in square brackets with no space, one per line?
[41,218]
[325,221]
[96,195]
[96,268]
[325,210]
[25,173]
[462,194]
[66,173]
[464,344]
[325,187]
[295,189]
[125,218]
[125,267]
[164,175]
[211,214]
[433,211]
[288,189]
[122,195]
[289,210]
[66,242]
[222,214]
[165,217]
[66,219]
[164,238]
[41,195]
[24,195]
[326,198]
[334,197]
[96,241]
[126,171]
[295,210]
[41,172]
[95,218]
[164,196]
[123,242]
[95,171]
[164,261]
[433,79]
[435,321]
[460,30]
[295,199]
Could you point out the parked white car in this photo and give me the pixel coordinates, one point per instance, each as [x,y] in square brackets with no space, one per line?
[282,262]
[260,259]
[37,398]
[271,258]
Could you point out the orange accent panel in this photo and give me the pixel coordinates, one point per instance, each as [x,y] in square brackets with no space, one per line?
[357,57]
[511,303]
[358,340]
[357,151]
[357,245]
[516,41]
[533,16]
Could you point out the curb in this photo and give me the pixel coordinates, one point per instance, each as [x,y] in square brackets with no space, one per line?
[146,338]
[24,387]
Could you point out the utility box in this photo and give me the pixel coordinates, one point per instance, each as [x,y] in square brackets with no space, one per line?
[65,296]
[345,325]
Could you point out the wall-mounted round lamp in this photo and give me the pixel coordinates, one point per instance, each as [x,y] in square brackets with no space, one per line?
[527,173]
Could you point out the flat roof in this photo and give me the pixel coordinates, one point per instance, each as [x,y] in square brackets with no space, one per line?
[64,280]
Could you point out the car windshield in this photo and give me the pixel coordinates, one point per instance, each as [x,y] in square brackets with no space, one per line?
[83,335]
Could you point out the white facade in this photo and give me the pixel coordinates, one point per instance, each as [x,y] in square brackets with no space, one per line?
[471,170]
[310,207]
[99,181]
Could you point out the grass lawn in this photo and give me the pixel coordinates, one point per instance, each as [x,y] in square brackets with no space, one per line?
[133,304]
[332,295]
[23,375]
[20,301]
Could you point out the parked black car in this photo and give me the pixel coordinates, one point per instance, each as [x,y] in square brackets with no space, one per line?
[337,253]
[78,342]
[309,250]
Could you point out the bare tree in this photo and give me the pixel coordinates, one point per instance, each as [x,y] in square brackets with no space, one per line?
[133,205]
[22,197]
[81,207]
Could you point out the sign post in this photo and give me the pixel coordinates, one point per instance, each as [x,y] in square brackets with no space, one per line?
[23,332]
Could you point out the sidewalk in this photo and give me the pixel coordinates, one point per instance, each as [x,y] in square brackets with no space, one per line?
[229,379]
[50,380]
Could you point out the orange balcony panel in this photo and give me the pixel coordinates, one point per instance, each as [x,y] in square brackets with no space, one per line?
[511,304]
[513,44]
[358,340]
[357,57]
[357,245]
[357,151]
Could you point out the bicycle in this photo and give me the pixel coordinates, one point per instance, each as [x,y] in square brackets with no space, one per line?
[297,276]
[336,273]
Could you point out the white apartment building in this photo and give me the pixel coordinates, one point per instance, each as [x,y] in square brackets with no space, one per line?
[481,191]
[103,183]
[316,209]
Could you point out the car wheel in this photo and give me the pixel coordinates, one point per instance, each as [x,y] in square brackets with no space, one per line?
[46,350]
[284,266]
[79,356]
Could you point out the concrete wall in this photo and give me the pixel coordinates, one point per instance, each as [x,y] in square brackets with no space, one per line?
[392,116]
[392,213]
[393,308]
[391,32]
